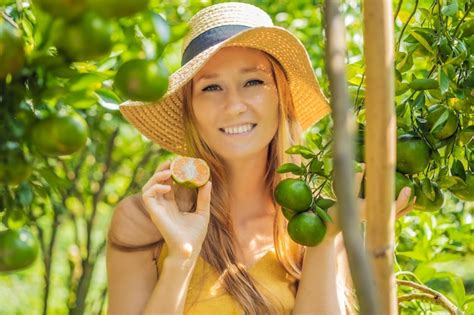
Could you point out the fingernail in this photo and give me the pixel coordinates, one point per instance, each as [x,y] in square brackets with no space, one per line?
[407,191]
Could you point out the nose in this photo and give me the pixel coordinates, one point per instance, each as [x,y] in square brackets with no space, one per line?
[235,103]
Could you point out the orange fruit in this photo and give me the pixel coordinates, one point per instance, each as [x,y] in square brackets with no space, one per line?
[306,228]
[294,194]
[87,38]
[142,80]
[402,181]
[12,54]
[424,203]
[114,8]
[449,128]
[413,154]
[67,9]
[60,135]
[18,249]
[190,172]
[15,167]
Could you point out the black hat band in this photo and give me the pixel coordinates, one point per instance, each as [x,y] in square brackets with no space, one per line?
[210,38]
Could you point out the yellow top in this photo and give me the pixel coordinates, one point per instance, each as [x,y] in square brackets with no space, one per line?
[206,296]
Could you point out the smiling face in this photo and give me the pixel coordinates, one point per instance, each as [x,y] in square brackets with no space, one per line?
[235,102]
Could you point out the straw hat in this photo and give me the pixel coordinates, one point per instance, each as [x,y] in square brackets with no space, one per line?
[219,25]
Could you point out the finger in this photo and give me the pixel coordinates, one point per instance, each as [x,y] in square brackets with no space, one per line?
[203,204]
[170,195]
[153,199]
[156,190]
[158,177]
[403,199]
[407,209]
[163,166]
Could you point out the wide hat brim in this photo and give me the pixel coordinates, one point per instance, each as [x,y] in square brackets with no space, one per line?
[162,121]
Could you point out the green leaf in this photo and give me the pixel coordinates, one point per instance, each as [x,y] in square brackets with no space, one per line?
[443,80]
[419,101]
[461,50]
[457,169]
[291,167]
[53,180]
[441,121]
[423,84]
[87,81]
[325,203]
[458,289]
[424,271]
[413,254]
[301,150]
[316,167]
[323,215]
[81,99]
[25,194]
[108,99]
[315,139]
[450,182]
[178,31]
[422,41]
[427,188]
[162,29]
[401,109]
[451,9]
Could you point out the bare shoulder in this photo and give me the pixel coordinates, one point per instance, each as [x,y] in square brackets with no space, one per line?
[131,203]
[131,225]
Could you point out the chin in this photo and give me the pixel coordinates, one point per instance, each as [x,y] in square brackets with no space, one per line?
[240,153]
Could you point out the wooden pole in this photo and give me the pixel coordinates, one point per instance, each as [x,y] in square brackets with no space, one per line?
[380,140]
[343,157]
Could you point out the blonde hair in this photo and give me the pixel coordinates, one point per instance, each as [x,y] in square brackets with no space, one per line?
[219,247]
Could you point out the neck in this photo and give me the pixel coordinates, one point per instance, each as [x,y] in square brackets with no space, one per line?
[250,197]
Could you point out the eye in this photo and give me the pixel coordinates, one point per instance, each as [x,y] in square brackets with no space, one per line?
[209,88]
[258,82]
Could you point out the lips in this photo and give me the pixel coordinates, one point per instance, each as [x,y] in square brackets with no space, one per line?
[237,125]
[231,134]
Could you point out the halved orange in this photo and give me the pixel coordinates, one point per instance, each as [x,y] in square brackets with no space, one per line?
[190,172]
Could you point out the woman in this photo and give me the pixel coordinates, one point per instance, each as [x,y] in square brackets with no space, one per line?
[243,95]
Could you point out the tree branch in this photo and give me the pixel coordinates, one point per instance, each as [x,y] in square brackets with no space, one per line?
[96,196]
[462,19]
[429,295]
[343,156]
[429,298]
[146,157]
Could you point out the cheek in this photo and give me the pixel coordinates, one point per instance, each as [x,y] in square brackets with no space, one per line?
[272,107]
[204,118]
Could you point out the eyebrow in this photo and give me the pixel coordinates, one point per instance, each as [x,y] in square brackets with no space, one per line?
[244,70]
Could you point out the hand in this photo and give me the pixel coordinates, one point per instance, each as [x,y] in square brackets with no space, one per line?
[183,232]
[402,205]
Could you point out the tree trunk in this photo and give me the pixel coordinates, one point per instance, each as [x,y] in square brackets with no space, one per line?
[380,139]
[82,289]
[343,155]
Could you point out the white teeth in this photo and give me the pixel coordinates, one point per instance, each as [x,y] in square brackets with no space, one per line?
[239,129]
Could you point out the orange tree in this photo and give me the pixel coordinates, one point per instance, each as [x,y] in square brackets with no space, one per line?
[67,157]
